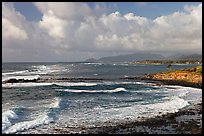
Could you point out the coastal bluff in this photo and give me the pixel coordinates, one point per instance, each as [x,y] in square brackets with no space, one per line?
[191,75]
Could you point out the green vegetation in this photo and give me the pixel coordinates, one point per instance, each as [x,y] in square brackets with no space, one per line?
[199,69]
[167,62]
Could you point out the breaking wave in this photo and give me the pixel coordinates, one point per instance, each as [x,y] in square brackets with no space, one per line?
[21,126]
[45,118]
[8,85]
[97,91]
[7,116]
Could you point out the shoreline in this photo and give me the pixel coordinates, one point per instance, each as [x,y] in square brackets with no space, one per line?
[187,120]
[157,81]
[166,82]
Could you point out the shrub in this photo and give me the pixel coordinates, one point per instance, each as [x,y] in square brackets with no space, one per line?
[199,69]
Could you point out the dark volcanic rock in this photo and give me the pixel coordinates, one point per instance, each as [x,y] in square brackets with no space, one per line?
[164,124]
[165,82]
[13,80]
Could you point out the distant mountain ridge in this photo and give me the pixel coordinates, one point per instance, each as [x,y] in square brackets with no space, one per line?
[128,58]
[144,56]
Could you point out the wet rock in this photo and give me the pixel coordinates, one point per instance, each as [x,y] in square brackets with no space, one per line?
[13,80]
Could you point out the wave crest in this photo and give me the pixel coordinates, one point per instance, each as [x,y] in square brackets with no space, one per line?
[97,91]
[21,126]
[6,117]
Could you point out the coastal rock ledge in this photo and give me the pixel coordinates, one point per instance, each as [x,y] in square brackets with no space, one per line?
[191,75]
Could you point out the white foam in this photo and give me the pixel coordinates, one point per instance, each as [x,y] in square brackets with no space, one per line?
[75,84]
[120,64]
[173,105]
[93,63]
[183,94]
[193,95]
[9,114]
[113,83]
[124,64]
[145,83]
[52,69]
[97,91]
[118,113]
[21,126]
[55,103]
[135,111]
[153,91]
[9,85]
[182,91]
[36,70]
[41,67]
[15,72]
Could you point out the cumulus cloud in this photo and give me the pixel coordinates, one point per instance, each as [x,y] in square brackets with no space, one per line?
[54,25]
[11,24]
[65,10]
[74,31]
[9,31]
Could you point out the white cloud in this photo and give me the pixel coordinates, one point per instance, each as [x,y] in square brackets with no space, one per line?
[11,23]
[54,25]
[9,31]
[196,12]
[65,10]
[177,32]
[71,31]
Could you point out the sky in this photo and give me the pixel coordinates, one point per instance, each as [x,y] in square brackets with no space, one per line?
[56,32]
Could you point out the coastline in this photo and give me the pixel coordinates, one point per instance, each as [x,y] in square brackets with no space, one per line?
[166,82]
[187,120]
[189,77]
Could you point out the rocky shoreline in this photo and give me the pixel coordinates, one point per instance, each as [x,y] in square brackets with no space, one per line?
[51,80]
[165,81]
[186,77]
[157,81]
[186,121]
[189,77]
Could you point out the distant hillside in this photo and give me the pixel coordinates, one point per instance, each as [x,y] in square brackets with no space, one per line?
[186,57]
[128,58]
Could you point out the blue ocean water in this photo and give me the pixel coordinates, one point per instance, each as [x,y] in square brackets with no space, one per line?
[31,106]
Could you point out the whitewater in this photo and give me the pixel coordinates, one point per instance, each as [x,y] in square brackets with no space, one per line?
[39,107]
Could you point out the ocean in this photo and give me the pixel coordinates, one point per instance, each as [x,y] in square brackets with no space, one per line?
[108,98]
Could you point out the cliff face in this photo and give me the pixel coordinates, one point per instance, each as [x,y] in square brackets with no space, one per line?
[193,75]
